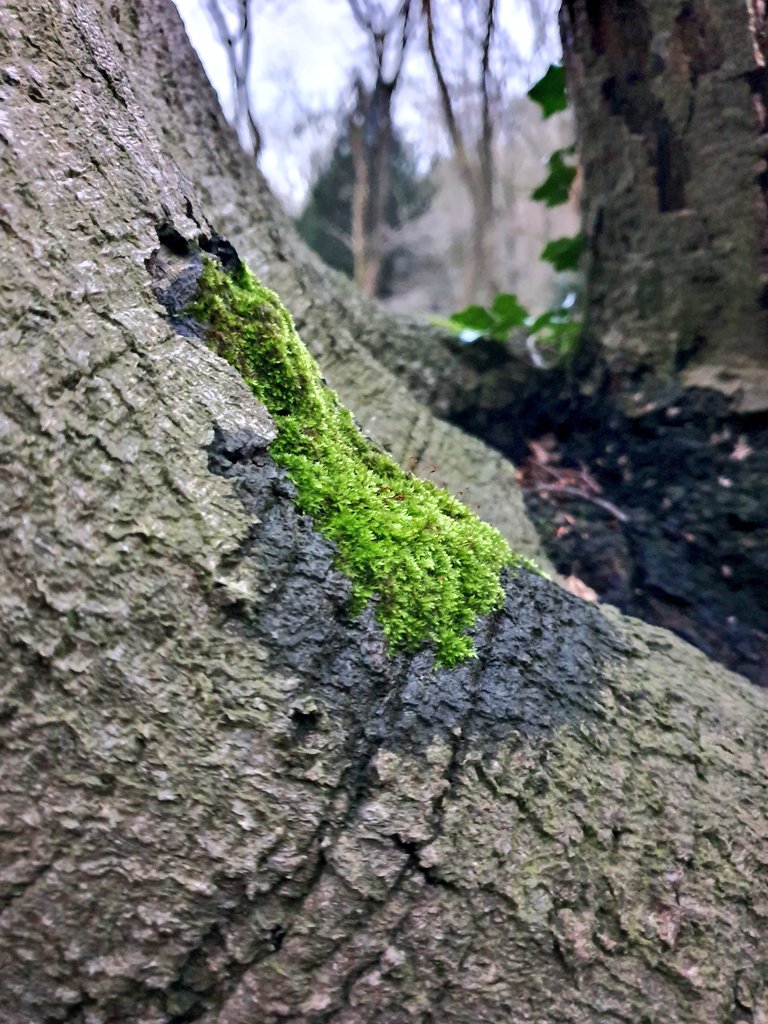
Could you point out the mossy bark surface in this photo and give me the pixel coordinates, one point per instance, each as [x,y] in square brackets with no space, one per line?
[396,375]
[428,563]
[222,799]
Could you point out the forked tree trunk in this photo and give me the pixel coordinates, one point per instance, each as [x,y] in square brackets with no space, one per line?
[222,800]
[670,100]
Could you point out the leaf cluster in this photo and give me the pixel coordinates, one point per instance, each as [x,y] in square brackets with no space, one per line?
[556,328]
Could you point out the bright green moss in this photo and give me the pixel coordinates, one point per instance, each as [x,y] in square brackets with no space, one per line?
[430,564]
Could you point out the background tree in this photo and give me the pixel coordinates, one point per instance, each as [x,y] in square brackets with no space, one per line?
[233,22]
[326,221]
[301,132]
[371,137]
[475,158]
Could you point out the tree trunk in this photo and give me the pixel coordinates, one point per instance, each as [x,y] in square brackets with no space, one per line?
[670,100]
[666,403]
[361,192]
[222,800]
[370,143]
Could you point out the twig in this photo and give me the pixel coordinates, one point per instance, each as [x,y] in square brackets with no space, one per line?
[572,492]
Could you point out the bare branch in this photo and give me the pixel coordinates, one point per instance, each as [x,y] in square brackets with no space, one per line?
[239,50]
[379,28]
[451,123]
[486,137]
[405,13]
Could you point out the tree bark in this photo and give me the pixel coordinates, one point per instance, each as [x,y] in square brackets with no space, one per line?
[370,143]
[670,101]
[386,369]
[222,800]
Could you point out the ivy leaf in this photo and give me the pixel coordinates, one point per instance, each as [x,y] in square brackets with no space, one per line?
[507,311]
[556,329]
[473,318]
[541,322]
[564,253]
[554,191]
[549,91]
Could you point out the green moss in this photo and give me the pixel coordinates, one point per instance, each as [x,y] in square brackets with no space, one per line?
[430,564]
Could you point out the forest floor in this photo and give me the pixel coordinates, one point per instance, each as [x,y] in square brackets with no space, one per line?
[663,514]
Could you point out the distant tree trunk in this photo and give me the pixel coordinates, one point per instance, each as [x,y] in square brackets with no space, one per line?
[222,800]
[371,137]
[370,143]
[361,191]
[670,101]
[477,171]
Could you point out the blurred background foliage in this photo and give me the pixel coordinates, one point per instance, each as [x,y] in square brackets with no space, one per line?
[400,137]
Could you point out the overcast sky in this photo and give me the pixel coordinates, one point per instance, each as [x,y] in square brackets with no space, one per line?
[304,54]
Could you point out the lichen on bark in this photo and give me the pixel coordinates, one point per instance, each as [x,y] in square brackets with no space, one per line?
[431,566]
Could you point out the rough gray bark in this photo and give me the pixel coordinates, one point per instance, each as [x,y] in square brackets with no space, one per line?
[223,801]
[670,99]
[379,365]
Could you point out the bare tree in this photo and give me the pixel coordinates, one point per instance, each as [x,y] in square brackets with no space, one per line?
[233,23]
[371,136]
[477,172]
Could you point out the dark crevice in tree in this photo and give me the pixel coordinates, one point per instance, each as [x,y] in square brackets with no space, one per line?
[686,353]
[699,39]
[221,249]
[624,39]
[172,239]
[757,79]
[671,170]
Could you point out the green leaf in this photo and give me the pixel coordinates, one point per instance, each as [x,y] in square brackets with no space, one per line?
[564,253]
[549,91]
[473,318]
[444,323]
[507,310]
[556,188]
[565,336]
[541,321]
[557,330]
[508,313]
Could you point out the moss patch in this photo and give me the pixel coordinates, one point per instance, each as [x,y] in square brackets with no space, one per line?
[430,565]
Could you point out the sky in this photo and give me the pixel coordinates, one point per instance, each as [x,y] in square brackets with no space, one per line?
[304,54]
